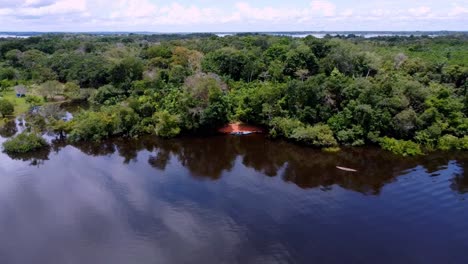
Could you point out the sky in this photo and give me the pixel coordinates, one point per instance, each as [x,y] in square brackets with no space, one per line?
[233,15]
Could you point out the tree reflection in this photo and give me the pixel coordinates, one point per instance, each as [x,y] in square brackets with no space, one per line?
[460,181]
[160,160]
[212,157]
[303,166]
[203,157]
[306,167]
[36,158]
[129,149]
[102,148]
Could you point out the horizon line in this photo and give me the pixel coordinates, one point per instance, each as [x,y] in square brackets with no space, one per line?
[214,32]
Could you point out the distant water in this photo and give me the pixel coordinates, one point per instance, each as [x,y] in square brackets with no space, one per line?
[228,199]
[13,36]
[224,34]
[322,35]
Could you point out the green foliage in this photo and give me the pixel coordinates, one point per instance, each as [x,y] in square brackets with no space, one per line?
[6,108]
[51,89]
[158,51]
[233,63]
[464,143]
[34,100]
[318,136]
[284,127]
[166,125]
[125,72]
[300,58]
[257,102]
[401,147]
[95,126]
[86,70]
[7,73]
[107,95]
[450,142]
[72,91]
[353,136]
[401,88]
[23,143]
[206,106]
[5,84]
[92,126]
[405,122]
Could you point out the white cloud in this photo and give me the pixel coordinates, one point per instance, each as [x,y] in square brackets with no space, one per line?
[6,11]
[347,13]
[177,14]
[323,7]
[166,16]
[420,11]
[246,11]
[458,11]
[132,9]
[42,8]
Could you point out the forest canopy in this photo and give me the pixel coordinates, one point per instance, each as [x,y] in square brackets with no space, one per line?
[403,93]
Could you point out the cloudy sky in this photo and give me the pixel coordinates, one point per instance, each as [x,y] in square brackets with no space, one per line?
[232,15]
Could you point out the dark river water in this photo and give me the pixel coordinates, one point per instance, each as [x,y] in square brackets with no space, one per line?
[227,199]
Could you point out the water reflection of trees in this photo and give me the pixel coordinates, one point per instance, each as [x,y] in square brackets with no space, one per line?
[303,166]
[306,167]
[35,158]
[203,157]
[460,181]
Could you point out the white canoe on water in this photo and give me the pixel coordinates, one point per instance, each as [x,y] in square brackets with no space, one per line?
[346,169]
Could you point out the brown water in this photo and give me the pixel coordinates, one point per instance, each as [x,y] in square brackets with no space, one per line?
[228,199]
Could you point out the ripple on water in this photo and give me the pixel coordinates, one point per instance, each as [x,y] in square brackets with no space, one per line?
[231,200]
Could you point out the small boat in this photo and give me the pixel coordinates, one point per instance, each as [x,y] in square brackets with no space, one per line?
[241,133]
[346,169]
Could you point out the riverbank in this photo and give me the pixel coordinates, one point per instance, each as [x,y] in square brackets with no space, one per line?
[241,128]
[21,106]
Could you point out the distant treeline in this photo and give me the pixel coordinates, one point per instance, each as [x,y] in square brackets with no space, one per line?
[407,94]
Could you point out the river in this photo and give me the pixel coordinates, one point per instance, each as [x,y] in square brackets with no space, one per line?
[228,199]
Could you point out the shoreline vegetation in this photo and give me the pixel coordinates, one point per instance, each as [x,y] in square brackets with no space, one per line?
[406,94]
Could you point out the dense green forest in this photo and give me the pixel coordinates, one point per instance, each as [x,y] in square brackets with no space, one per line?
[406,94]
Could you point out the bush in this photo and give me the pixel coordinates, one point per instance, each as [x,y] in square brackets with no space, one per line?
[318,136]
[448,142]
[110,121]
[353,136]
[72,91]
[6,108]
[464,143]
[400,147]
[125,120]
[34,100]
[7,73]
[23,143]
[166,125]
[284,127]
[5,84]
[91,126]
[107,95]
